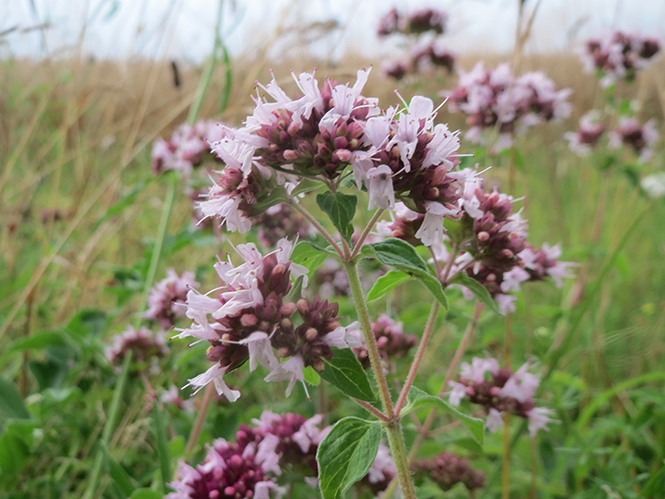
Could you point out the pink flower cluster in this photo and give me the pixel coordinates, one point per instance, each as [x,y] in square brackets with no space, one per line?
[246,469]
[188,147]
[173,396]
[331,280]
[419,21]
[494,99]
[395,154]
[491,242]
[249,317]
[145,345]
[587,135]
[167,298]
[249,467]
[640,138]
[423,29]
[298,440]
[500,390]
[391,340]
[618,55]
[448,469]
[281,221]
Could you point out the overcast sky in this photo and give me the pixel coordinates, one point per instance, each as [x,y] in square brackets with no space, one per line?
[185,28]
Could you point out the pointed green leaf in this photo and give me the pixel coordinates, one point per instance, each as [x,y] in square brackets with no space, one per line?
[404,257]
[125,483]
[11,402]
[309,255]
[398,254]
[478,290]
[345,372]
[418,399]
[311,376]
[387,283]
[346,454]
[341,209]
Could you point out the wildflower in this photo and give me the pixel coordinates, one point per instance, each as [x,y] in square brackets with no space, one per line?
[279,222]
[427,20]
[391,22]
[495,99]
[493,247]
[245,469]
[167,297]
[172,397]
[500,390]
[618,55]
[187,148]
[587,135]
[249,319]
[448,469]
[640,138]
[147,347]
[396,69]
[298,439]
[331,280]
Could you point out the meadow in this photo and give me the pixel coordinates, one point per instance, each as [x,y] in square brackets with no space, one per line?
[87,229]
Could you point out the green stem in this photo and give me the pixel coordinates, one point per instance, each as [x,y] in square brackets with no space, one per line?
[424,341]
[393,426]
[207,75]
[159,243]
[110,423]
[398,450]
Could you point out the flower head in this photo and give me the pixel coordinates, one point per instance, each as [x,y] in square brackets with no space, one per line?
[167,297]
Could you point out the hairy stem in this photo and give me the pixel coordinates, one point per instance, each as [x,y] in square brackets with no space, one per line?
[375,218]
[372,409]
[200,420]
[393,426]
[429,327]
[370,340]
[425,429]
[159,243]
[449,264]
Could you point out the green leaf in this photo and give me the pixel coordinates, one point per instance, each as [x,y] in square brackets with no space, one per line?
[341,209]
[346,454]
[418,399]
[312,377]
[387,283]
[399,254]
[345,372]
[434,285]
[11,402]
[305,185]
[43,340]
[119,475]
[404,257]
[305,253]
[478,290]
[88,321]
[15,443]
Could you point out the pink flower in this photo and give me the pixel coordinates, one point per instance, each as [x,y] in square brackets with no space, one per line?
[166,299]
